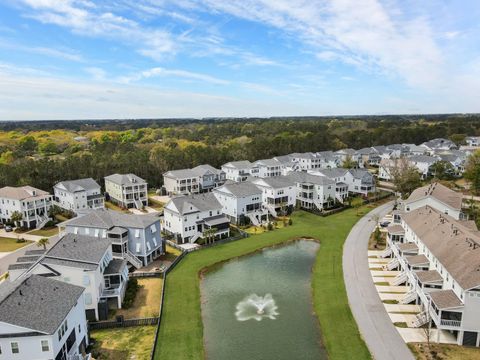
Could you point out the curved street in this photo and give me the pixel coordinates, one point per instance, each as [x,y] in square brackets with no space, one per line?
[375,326]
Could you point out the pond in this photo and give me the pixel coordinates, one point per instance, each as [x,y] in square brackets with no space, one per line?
[259,307]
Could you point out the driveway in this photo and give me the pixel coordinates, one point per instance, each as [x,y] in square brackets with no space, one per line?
[380,335]
[14,235]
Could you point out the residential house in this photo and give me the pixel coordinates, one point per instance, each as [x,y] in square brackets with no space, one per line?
[307,161]
[41,318]
[135,238]
[268,168]
[362,182]
[287,164]
[438,196]
[386,168]
[341,177]
[345,154]
[414,150]
[438,144]
[127,190]
[368,157]
[438,259]
[80,260]
[33,204]
[313,192]
[473,141]
[328,160]
[240,201]
[423,163]
[79,196]
[188,217]
[278,194]
[200,179]
[239,170]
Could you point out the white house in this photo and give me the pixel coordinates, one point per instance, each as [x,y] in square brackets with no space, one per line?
[188,217]
[341,177]
[84,261]
[287,164]
[386,168]
[241,200]
[438,196]
[473,141]
[42,319]
[32,203]
[268,168]
[345,154]
[313,192]
[307,161]
[278,194]
[200,179]
[127,190]
[135,238]
[423,163]
[438,258]
[438,144]
[79,196]
[239,170]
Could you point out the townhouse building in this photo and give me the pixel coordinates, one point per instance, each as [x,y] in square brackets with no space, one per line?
[239,170]
[344,154]
[438,257]
[33,204]
[350,181]
[241,200]
[438,196]
[307,161]
[278,194]
[84,261]
[135,238]
[127,190]
[199,179]
[41,318]
[341,177]
[188,217]
[438,144]
[423,163]
[79,196]
[368,157]
[313,192]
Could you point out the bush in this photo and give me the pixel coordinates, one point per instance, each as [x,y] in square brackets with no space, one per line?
[50,224]
[130,293]
[21,240]
[270,226]
[290,222]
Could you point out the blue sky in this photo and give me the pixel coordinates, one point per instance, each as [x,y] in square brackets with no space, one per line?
[76,59]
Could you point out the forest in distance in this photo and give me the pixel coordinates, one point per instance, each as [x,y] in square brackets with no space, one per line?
[41,153]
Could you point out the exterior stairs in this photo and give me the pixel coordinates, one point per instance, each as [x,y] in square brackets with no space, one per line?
[132,259]
[420,319]
[138,204]
[386,253]
[409,297]
[391,265]
[399,279]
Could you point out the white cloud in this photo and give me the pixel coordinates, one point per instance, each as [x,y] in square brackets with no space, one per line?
[162,72]
[96,73]
[66,54]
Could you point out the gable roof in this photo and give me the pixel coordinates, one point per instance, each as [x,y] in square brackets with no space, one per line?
[37,303]
[454,245]
[333,173]
[22,193]
[107,219]
[80,248]
[193,203]
[439,192]
[275,182]
[240,189]
[243,164]
[125,179]
[302,177]
[78,185]
[423,158]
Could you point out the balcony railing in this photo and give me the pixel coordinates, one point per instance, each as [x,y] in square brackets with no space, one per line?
[451,323]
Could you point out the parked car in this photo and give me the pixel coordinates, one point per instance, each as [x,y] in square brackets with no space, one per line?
[384,223]
[8,228]
[1,226]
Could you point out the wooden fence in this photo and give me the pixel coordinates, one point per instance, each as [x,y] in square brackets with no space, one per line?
[123,323]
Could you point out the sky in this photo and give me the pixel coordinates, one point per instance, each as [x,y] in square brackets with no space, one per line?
[86,59]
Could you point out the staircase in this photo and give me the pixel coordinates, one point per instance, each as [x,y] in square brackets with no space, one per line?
[132,259]
[386,253]
[138,204]
[409,297]
[253,218]
[41,221]
[271,210]
[391,265]
[195,238]
[399,279]
[420,319]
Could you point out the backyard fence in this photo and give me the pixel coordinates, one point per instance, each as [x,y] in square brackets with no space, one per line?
[145,274]
[122,323]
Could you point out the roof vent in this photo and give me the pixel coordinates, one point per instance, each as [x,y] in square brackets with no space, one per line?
[21,293]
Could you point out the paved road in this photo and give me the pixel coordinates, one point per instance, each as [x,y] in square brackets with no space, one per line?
[380,335]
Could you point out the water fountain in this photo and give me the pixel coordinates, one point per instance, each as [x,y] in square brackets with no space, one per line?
[256,307]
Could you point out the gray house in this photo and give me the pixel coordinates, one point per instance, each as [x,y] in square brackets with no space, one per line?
[127,190]
[135,238]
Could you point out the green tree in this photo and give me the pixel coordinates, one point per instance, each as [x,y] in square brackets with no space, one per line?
[16,217]
[405,177]
[349,163]
[472,171]
[43,242]
[27,144]
[48,147]
[443,170]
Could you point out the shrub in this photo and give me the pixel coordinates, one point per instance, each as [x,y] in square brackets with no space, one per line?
[130,293]
[290,222]
[270,226]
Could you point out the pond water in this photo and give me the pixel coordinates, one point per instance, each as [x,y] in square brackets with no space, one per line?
[259,307]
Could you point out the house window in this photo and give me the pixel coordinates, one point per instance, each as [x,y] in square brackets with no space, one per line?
[45,346]
[137,248]
[153,228]
[88,299]
[137,233]
[148,246]
[86,280]
[15,349]
[97,231]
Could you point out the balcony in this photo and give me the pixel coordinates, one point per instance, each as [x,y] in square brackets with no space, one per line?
[114,290]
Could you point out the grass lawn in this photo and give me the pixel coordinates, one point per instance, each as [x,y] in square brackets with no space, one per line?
[124,344]
[147,300]
[9,244]
[181,332]
[154,204]
[112,206]
[46,232]
[444,351]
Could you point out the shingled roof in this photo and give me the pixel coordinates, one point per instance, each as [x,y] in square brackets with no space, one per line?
[439,192]
[107,219]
